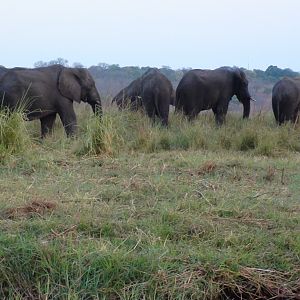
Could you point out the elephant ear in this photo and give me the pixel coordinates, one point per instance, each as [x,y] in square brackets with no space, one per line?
[68,85]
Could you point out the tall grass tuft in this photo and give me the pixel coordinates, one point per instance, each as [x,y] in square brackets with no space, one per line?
[14,138]
[100,136]
[248,140]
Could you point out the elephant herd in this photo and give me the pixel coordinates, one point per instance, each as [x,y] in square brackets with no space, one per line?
[47,91]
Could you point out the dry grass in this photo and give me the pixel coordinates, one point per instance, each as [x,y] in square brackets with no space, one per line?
[254,283]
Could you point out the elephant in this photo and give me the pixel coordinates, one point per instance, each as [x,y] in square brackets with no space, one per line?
[286,100]
[153,91]
[3,71]
[46,91]
[212,89]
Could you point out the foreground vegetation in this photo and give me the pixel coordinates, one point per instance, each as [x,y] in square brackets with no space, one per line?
[129,210]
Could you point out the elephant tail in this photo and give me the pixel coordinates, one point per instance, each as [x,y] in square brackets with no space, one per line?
[178,100]
[156,103]
[279,96]
[275,106]
[161,107]
[173,97]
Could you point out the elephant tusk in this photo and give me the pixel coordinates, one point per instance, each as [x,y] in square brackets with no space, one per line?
[252,99]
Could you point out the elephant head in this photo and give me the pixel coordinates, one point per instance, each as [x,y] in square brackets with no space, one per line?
[241,90]
[121,99]
[78,85]
[130,95]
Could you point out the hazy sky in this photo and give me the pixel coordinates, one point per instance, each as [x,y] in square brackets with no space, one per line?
[189,33]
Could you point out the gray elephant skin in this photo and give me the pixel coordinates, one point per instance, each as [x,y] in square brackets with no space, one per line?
[3,71]
[286,100]
[153,91]
[47,91]
[212,89]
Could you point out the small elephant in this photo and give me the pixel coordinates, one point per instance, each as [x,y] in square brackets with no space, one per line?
[153,91]
[286,100]
[47,91]
[212,89]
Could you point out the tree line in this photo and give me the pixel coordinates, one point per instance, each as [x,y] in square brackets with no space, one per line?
[110,78]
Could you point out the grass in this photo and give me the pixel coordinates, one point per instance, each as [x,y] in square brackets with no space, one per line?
[134,211]
[14,138]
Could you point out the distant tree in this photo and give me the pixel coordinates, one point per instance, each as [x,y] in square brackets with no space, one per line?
[259,73]
[144,69]
[40,63]
[58,61]
[185,70]
[276,72]
[114,67]
[290,73]
[169,73]
[77,65]
[273,71]
[103,66]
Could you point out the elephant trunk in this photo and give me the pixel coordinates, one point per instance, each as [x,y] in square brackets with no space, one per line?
[246,109]
[94,100]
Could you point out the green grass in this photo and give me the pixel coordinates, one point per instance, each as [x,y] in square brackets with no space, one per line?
[14,138]
[142,212]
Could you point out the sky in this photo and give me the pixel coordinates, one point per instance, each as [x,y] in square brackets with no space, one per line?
[188,33]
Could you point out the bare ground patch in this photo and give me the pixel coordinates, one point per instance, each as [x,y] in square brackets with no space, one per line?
[36,207]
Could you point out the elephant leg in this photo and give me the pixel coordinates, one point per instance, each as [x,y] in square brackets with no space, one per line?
[163,117]
[164,120]
[286,115]
[220,119]
[282,119]
[296,115]
[149,107]
[151,114]
[220,112]
[192,110]
[162,111]
[47,124]
[68,118]
[191,115]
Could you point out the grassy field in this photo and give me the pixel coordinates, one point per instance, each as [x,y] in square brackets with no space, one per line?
[128,210]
